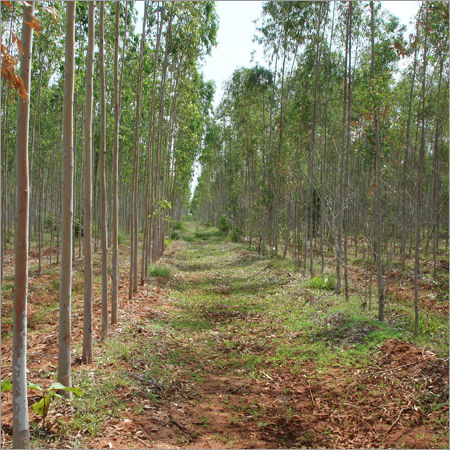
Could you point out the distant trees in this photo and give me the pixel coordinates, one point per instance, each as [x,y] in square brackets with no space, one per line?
[333,153]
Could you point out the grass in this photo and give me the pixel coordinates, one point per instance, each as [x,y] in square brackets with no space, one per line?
[325,283]
[155,270]
[236,313]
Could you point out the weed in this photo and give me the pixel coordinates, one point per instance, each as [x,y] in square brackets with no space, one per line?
[122,237]
[155,270]
[325,283]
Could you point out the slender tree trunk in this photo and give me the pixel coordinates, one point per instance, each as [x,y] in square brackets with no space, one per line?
[347,151]
[150,180]
[378,190]
[436,175]
[65,289]
[104,236]
[1,178]
[87,317]
[419,181]
[156,250]
[405,162]
[21,433]
[312,149]
[115,230]
[341,165]
[134,202]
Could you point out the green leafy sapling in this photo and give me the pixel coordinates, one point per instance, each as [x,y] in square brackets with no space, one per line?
[42,406]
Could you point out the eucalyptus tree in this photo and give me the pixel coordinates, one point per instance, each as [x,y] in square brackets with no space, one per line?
[102,157]
[378,248]
[65,290]
[420,171]
[87,311]
[134,199]
[21,433]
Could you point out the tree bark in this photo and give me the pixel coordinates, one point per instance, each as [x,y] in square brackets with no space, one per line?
[134,202]
[87,313]
[104,235]
[378,190]
[115,187]
[21,433]
[419,181]
[65,288]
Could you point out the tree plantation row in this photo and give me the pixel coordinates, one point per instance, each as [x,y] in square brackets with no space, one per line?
[335,154]
[340,147]
[105,131]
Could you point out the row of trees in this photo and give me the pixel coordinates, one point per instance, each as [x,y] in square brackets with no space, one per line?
[342,141]
[106,131]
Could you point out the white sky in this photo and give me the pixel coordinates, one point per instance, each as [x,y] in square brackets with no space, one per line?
[237,28]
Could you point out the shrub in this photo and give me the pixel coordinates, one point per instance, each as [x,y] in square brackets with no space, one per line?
[158,271]
[325,283]
[121,237]
[224,224]
[174,235]
[177,225]
[234,236]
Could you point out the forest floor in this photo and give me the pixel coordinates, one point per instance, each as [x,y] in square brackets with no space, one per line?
[228,349]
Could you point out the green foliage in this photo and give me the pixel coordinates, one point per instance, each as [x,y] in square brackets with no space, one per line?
[122,237]
[324,283]
[6,385]
[224,224]
[42,406]
[177,225]
[155,270]
[174,235]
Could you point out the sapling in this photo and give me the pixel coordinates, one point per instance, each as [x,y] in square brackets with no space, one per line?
[42,406]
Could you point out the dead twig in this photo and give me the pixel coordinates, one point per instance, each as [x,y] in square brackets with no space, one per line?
[312,397]
[395,421]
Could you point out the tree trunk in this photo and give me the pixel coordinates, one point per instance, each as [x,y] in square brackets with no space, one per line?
[405,162]
[87,317]
[419,182]
[104,236]
[134,212]
[115,187]
[378,190]
[150,181]
[436,175]
[65,288]
[21,433]
[347,151]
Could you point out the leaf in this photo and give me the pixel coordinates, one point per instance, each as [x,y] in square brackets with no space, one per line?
[60,387]
[6,386]
[52,11]
[56,386]
[42,406]
[34,386]
[8,4]
[77,391]
[34,24]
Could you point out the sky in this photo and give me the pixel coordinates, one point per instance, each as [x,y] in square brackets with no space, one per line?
[237,28]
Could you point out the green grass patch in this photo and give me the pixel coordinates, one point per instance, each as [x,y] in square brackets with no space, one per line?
[324,283]
[122,237]
[155,270]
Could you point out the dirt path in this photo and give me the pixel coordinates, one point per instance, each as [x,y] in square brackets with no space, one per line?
[236,351]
